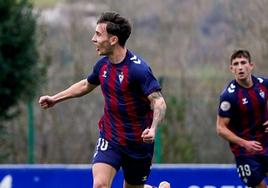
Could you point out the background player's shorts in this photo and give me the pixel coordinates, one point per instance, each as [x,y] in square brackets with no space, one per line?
[136,171]
[252,169]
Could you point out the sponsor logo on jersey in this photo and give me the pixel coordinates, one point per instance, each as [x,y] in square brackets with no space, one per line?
[144,178]
[260,80]
[135,60]
[244,101]
[262,94]
[104,74]
[231,88]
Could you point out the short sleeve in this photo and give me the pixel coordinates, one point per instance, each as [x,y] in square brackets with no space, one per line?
[93,78]
[225,108]
[266,82]
[147,80]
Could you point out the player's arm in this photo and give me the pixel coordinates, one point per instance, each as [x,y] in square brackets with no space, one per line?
[226,133]
[158,106]
[76,90]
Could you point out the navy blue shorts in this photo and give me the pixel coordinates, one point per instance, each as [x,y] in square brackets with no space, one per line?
[252,169]
[136,171]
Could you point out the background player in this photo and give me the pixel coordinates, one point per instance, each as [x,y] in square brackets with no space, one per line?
[242,120]
[134,106]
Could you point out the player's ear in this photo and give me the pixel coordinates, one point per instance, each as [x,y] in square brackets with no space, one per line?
[252,64]
[231,67]
[113,40]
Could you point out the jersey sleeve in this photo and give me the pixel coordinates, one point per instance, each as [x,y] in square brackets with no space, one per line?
[265,82]
[147,80]
[93,77]
[226,105]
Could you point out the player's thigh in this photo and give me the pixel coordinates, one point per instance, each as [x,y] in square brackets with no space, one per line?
[103,174]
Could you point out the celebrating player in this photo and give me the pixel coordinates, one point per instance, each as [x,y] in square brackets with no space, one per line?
[133,108]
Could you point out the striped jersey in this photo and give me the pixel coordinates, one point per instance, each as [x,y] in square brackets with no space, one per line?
[127,112]
[247,110]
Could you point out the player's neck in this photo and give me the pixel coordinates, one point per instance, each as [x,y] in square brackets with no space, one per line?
[246,83]
[118,55]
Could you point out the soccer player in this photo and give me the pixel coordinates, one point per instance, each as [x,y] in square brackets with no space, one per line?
[243,118]
[133,108]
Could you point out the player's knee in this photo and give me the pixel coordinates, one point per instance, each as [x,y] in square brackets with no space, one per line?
[100,184]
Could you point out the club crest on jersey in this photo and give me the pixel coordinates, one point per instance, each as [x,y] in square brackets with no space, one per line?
[121,77]
[144,178]
[262,94]
[104,74]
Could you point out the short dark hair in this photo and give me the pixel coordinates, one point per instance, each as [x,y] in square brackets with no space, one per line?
[240,53]
[116,25]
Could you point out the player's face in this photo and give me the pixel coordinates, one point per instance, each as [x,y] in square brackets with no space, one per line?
[241,68]
[102,40]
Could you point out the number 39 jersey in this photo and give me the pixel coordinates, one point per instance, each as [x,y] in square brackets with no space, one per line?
[127,111]
[247,110]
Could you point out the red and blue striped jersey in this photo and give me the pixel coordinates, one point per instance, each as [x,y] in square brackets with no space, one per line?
[127,112]
[247,110]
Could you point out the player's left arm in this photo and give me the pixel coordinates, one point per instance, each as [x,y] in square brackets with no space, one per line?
[158,106]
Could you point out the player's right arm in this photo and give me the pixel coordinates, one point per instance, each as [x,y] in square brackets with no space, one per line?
[223,131]
[76,90]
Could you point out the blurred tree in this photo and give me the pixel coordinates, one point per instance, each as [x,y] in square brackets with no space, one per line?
[20,71]
[18,55]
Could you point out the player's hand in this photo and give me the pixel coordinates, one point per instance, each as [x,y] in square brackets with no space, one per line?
[148,135]
[46,102]
[266,126]
[253,146]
